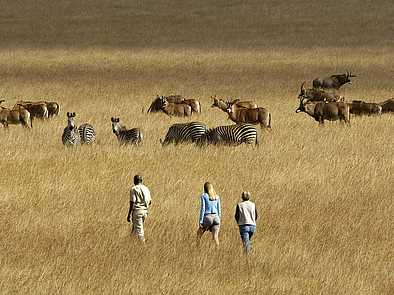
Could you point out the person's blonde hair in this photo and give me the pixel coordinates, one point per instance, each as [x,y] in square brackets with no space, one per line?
[208,189]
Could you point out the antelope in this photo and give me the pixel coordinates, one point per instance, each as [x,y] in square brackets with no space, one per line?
[175,109]
[387,106]
[254,116]
[16,116]
[314,94]
[36,109]
[358,107]
[333,82]
[321,111]
[157,104]
[221,104]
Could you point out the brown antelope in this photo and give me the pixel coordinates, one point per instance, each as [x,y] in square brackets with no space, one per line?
[16,116]
[387,106]
[223,105]
[175,109]
[333,82]
[359,108]
[156,105]
[314,94]
[321,111]
[254,116]
[36,109]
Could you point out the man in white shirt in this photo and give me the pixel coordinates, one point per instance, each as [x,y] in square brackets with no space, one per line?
[140,200]
[246,216]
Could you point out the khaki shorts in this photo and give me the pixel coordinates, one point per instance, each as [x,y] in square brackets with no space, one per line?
[211,222]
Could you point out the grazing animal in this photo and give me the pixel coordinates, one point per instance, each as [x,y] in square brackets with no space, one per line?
[230,135]
[314,94]
[17,115]
[224,105]
[184,132]
[87,133]
[387,106]
[36,109]
[333,82]
[71,135]
[359,108]
[124,135]
[255,116]
[175,109]
[157,104]
[53,108]
[321,111]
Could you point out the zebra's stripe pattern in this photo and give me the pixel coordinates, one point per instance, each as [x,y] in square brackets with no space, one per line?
[126,136]
[185,132]
[70,136]
[131,136]
[231,135]
[87,133]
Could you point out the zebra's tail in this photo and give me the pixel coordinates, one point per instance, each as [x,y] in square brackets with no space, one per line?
[269,121]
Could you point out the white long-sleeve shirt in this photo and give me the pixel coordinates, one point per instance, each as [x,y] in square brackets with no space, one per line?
[140,197]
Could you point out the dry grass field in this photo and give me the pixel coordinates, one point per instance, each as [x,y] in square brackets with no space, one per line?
[325,195]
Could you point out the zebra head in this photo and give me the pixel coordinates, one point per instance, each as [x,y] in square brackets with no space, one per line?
[115,125]
[70,120]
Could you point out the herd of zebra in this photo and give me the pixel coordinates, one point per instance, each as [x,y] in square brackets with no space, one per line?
[318,102]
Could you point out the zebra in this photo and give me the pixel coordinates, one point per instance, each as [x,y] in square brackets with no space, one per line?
[184,132]
[124,135]
[87,133]
[231,135]
[71,135]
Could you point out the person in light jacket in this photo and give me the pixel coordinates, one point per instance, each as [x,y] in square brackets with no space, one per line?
[246,216]
[210,213]
[140,200]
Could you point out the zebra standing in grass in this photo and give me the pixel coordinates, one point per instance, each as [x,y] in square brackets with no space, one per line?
[124,135]
[184,132]
[231,135]
[87,133]
[71,135]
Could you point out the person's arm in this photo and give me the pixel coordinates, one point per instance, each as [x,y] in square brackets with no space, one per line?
[202,210]
[130,209]
[219,209]
[236,216]
[255,212]
[132,199]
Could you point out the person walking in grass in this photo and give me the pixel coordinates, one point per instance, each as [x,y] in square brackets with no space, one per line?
[246,216]
[140,200]
[210,213]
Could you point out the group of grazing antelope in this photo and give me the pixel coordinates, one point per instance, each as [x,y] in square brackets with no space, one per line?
[323,103]
[23,112]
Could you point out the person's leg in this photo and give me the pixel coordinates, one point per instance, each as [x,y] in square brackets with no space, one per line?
[215,234]
[251,231]
[138,224]
[244,232]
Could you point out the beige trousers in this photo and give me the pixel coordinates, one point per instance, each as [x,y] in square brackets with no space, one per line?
[138,218]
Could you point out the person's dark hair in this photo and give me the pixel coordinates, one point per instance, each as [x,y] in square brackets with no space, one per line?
[245,196]
[137,179]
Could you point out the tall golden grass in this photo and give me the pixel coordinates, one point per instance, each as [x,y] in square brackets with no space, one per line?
[324,194]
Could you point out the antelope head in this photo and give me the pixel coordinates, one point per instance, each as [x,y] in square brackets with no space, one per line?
[302,91]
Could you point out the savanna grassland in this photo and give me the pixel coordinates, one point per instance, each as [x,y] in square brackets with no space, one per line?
[325,195]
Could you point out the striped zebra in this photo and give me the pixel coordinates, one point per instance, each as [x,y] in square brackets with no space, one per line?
[231,135]
[184,132]
[71,135]
[124,135]
[87,133]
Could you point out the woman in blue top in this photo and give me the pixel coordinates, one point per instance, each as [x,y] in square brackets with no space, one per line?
[210,213]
